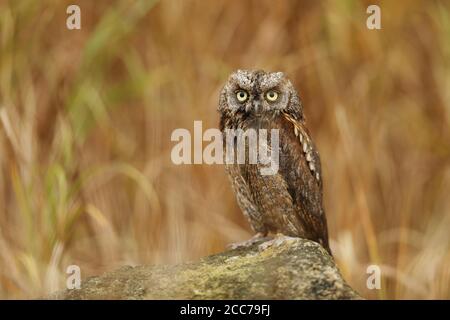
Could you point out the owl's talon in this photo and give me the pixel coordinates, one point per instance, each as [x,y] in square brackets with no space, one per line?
[248,243]
[277,241]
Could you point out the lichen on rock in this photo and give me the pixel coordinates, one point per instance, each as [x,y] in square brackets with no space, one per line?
[285,268]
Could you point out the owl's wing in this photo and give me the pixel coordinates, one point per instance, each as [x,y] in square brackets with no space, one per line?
[308,148]
[304,177]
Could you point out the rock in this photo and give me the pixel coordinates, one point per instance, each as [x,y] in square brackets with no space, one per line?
[284,268]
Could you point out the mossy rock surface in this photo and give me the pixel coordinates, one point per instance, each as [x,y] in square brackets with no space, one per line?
[285,268]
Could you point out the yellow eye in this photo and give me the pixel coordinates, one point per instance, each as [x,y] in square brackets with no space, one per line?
[272,95]
[241,95]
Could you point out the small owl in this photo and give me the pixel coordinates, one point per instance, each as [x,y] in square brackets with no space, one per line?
[288,202]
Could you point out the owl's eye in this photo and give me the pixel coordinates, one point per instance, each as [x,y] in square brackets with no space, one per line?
[272,95]
[241,95]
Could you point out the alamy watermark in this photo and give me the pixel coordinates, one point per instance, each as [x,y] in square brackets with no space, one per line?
[249,146]
[74,279]
[374,20]
[73,21]
[374,278]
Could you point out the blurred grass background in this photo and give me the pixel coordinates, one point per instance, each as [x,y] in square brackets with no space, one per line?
[86,117]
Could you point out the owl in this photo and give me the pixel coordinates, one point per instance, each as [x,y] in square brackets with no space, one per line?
[288,202]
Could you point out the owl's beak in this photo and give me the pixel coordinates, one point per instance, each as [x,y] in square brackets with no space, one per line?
[257,106]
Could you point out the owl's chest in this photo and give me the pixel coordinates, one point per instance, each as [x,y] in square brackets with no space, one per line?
[265,136]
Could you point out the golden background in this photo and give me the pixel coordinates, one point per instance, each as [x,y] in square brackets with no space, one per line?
[86,117]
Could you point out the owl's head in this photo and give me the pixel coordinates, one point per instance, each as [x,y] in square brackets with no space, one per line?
[259,93]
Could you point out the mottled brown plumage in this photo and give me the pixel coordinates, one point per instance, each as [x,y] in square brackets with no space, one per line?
[290,201]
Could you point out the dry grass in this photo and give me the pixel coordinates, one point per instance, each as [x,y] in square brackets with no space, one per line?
[86,117]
